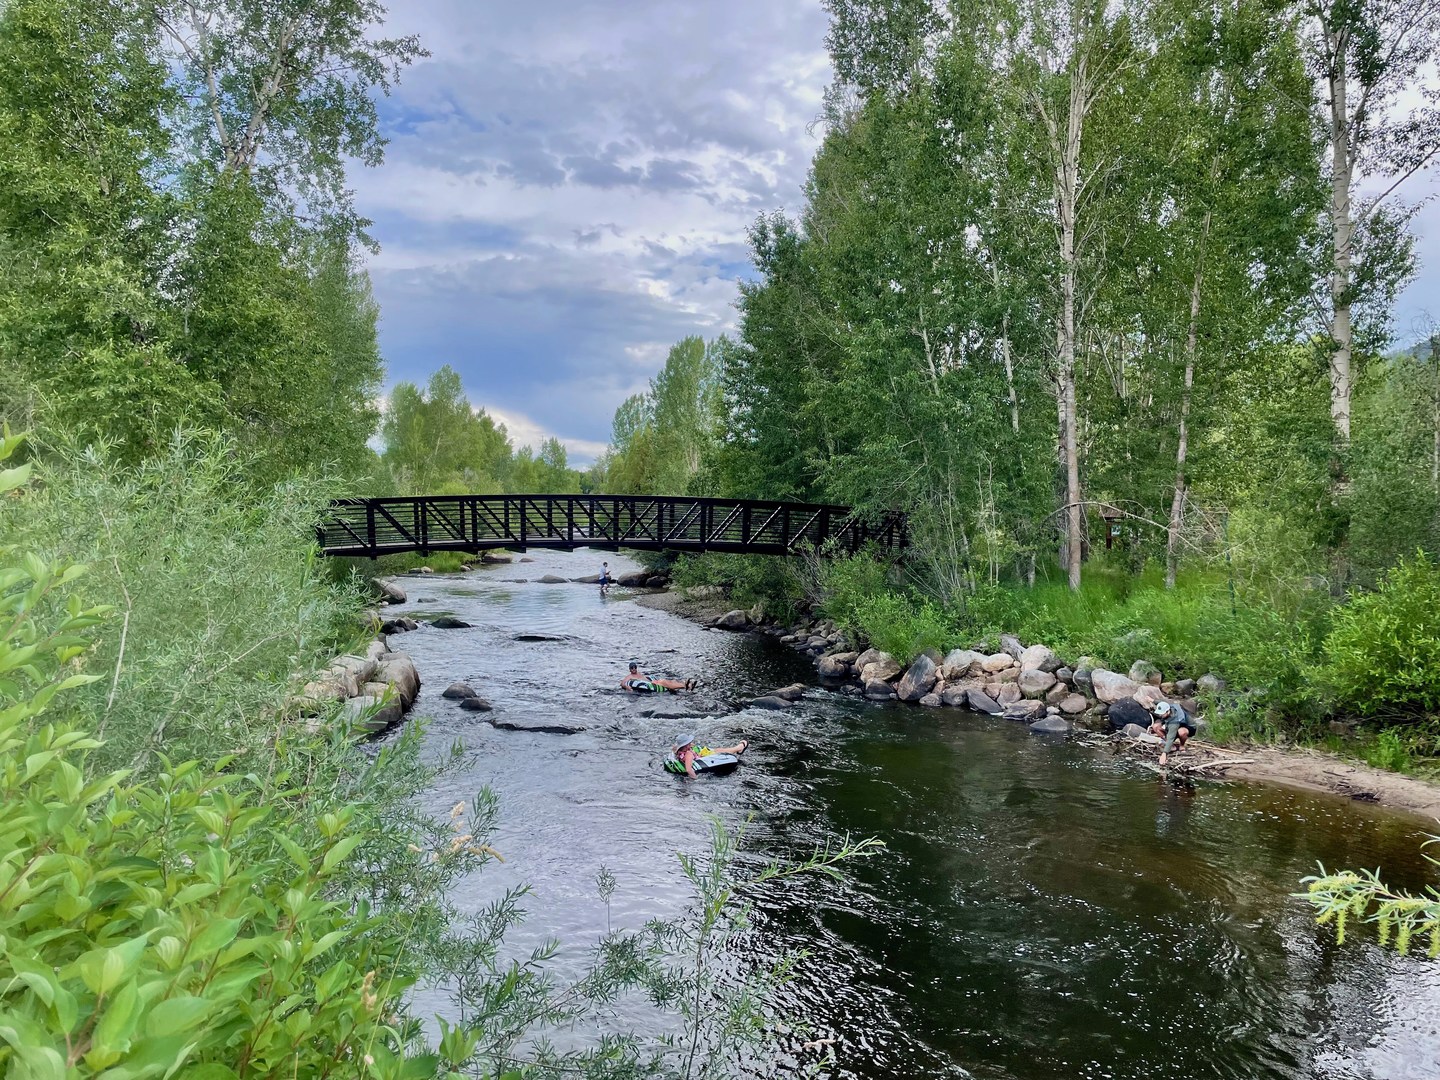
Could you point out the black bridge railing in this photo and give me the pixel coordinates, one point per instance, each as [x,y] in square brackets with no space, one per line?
[373,527]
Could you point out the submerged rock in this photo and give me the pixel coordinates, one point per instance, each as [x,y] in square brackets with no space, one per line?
[476,704]
[543,727]
[982,702]
[449,622]
[459,691]
[1051,725]
[771,701]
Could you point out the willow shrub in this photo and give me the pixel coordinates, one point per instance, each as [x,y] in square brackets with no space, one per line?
[219,596]
[1382,658]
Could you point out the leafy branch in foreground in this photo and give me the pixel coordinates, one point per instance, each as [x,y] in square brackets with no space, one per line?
[1399,917]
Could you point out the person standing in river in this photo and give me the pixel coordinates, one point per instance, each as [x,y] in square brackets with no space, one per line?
[604,577]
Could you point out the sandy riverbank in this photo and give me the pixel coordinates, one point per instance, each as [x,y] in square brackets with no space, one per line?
[1312,770]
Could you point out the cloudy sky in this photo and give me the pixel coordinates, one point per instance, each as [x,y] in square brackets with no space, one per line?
[567,189]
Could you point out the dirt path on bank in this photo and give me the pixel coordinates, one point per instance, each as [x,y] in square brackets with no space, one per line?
[1312,770]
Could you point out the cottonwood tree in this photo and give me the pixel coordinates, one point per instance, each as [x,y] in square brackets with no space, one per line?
[1375,62]
[282,93]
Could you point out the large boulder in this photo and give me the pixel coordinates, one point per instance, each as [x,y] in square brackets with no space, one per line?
[1035,682]
[634,580]
[931,701]
[494,558]
[476,704]
[388,591]
[1084,679]
[878,690]
[1074,704]
[551,579]
[959,662]
[1128,711]
[319,693]
[982,702]
[1111,687]
[1009,643]
[996,662]
[375,650]
[918,680]
[360,668]
[459,691]
[1025,711]
[399,625]
[371,715]
[884,668]
[1009,694]
[398,670]
[733,620]
[955,693]
[793,692]
[832,667]
[1210,685]
[869,656]
[1144,672]
[1039,657]
[1185,688]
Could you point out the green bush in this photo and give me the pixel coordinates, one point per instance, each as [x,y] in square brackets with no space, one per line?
[1383,653]
[176,927]
[219,596]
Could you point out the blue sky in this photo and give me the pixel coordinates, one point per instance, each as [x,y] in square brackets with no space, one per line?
[568,184]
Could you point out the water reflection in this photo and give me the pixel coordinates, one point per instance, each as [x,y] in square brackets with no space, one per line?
[1042,910]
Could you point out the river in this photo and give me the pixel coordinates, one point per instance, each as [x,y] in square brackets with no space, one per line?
[1041,909]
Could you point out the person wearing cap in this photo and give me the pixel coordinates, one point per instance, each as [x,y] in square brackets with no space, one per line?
[686,752]
[638,682]
[1173,722]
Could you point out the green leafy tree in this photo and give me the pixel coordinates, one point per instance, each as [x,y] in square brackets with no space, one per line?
[435,438]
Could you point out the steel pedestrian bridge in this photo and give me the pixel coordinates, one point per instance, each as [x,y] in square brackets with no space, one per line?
[474,523]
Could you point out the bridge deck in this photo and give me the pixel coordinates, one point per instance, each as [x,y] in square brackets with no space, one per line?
[374,527]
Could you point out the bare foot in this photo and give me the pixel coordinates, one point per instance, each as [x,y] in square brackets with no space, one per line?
[1162,758]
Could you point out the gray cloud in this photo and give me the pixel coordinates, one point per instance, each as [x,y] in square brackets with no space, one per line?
[568,185]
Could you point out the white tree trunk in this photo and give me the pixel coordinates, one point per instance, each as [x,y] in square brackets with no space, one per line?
[1067,190]
[1342,235]
[1177,501]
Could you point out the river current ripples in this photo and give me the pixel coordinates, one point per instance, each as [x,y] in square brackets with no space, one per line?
[1040,910]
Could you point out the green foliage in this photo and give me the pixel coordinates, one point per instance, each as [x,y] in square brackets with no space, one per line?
[220,599]
[778,584]
[160,267]
[1382,656]
[1400,919]
[663,439]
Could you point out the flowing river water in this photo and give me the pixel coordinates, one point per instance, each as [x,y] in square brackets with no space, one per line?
[1041,909]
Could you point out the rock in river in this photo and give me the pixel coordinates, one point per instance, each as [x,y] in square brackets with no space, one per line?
[475,704]
[918,680]
[771,701]
[449,622]
[459,691]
